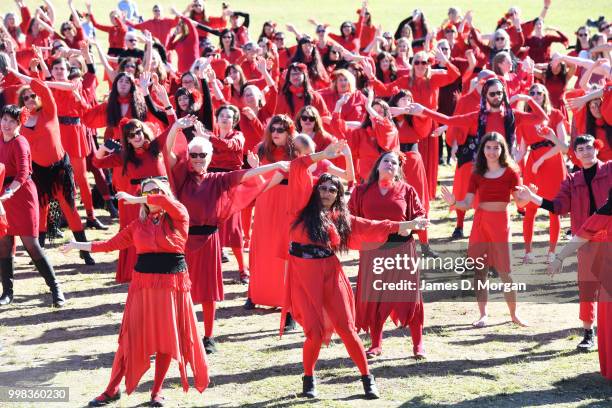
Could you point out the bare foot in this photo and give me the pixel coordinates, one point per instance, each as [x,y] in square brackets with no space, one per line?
[482,322]
[518,321]
[373,352]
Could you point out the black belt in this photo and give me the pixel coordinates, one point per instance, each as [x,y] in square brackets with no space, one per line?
[160,262]
[138,181]
[68,120]
[309,251]
[203,229]
[9,179]
[543,143]
[406,147]
[284,182]
[216,170]
[399,238]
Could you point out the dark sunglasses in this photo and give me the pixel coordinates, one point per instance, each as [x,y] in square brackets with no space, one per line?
[583,35]
[198,155]
[227,36]
[130,66]
[495,93]
[320,31]
[444,49]
[132,40]
[534,93]
[500,39]
[420,63]
[331,189]
[133,134]
[279,38]
[276,129]
[28,97]
[308,118]
[150,192]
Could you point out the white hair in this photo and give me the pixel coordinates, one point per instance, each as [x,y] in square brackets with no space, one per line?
[307,140]
[199,141]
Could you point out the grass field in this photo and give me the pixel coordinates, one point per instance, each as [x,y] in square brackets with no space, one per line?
[498,366]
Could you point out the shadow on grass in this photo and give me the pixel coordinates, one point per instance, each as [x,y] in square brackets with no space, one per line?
[67,313]
[65,334]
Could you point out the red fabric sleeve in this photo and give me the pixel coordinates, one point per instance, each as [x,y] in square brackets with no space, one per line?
[22,159]
[301,184]
[46,96]
[442,79]
[101,27]
[270,107]
[473,184]
[364,231]
[234,144]
[606,105]
[386,134]
[459,120]
[172,207]
[338,126]
[26,17]
[121,240]
[536,116]
[238,194]
[108,161]
[95,117]
[563,200]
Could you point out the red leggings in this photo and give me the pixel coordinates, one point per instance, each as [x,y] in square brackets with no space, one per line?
[99,177]
[208,310]
[247,217]
[528,221]
[423,237]
[416,332]
[162,363]
[72,216]
[352,342]
[80,177]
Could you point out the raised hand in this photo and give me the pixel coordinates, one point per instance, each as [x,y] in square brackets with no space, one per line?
[248,113]
[252,159]
[186,121]
[414,109]
[448,196]
[122,195]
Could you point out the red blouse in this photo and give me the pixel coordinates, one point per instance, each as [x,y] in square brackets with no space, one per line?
[116,33]
[497,189]
[146,236]
[400,203]
[298,103]
[159,28]
[227,151]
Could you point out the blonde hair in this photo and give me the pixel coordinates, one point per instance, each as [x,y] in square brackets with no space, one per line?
[423,56]
[348,76]
[161,184]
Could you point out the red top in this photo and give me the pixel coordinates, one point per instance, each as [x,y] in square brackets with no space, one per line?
[15,155]
[400,203]
[298,103]
[606,104]
[412,133]
[233,56]
[227,150]
[146,236]
[352,110]
[352,43]
[497,189]
[188,48]
[44,137]
[539,48]
[529,133]
[495,120]
[160,28]
[116,33]
[466,104]
[75,43]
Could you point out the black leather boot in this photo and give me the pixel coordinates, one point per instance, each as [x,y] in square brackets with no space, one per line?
[46,271]
[290,324]
[309,388]
[369,387]
[42,238]
[6,267]
[79,236]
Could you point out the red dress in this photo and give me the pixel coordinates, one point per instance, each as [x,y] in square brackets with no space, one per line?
[269,238]
[318,294]
[353,110]
[598,229]
[298,103]
[160,28]
[188,48]
[399,203]
[130,182]
[369,143]
[159,315]
[22,207]
[209,199]
[69,112]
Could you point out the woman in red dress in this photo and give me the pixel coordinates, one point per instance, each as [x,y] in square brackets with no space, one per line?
[298,92]
[209,198]
[140,157]
[597,230]
[317,292]
[20,201]
[494,180]
[344,84]
[308,121]
[271,222]
[159,318]
[544,167]
[350,34]
[386,196]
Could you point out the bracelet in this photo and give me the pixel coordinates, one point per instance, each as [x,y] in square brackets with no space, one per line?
[169,107]
[8,191]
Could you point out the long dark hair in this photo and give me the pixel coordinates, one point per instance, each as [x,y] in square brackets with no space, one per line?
[317,221]
[578,46]
[138,107]
[367,122]
[394,101]
[313,62]
[481,167]
[232,45]
[128,153]
[591,124]
[307,90]
[267,144]
[392,68]
[509,120]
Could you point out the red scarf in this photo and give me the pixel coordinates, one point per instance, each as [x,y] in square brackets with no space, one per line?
[124,100]
[296,90]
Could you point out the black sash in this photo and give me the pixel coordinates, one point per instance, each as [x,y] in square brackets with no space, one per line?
[160,262]
[406,147]
[467,151]
[543,143]
[68,120]
[284,182]
[309,251]
[216,170]
[203,229]
[9,179]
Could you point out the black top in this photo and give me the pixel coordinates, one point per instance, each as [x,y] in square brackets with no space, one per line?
[589,175]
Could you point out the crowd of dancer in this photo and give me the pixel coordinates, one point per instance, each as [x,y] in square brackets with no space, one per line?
[252,141]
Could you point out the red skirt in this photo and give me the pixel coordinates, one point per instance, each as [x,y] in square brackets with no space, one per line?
[490,237]
[604,338]
[374,307]
[22,211]
[74,140]
[550,175]
[127,257]
[428,147]
[230,231]
[414,173]
[159,318]
[461,181]
[203,256]
[269,240]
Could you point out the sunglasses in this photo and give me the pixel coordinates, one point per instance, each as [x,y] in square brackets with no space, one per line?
[150,192]
[443,49]
[534,93]
[132,40]
[420,63]
[198,155]
[496,93]
[279,38]
[308,118]
[130,66]
[449,31]
[500,39]
[227,37]
[276,129]
[583,35]
[28,97]
[330,189]
[133,134]
[320,31]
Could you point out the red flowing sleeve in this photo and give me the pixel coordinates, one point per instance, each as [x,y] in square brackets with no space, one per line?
[121,240]
[448,77]
[108,161]
[49,107]
[536,116]
[95,117]
[415,208]
[464,121]
[366,232]
[301,183]
[237,194]
[270,107]
[22,159]
[101,27]
[172,207]
[386,134]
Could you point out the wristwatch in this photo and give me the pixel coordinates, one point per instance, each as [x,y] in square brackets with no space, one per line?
[8,191]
